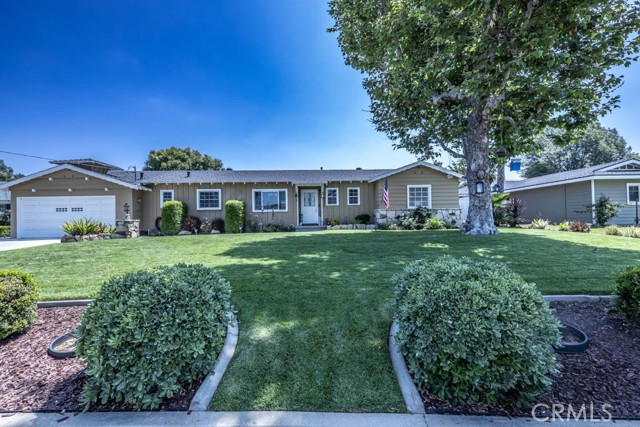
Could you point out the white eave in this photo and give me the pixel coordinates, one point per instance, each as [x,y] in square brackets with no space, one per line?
[87,172]
[413,165]
[618,165]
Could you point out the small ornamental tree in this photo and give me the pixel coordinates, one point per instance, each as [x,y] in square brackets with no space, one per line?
[604,209]
[467,77]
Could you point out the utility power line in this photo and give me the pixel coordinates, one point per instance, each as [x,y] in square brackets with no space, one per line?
[25,155]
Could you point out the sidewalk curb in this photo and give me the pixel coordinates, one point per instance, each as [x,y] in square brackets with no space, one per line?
[412,399]
[207,389]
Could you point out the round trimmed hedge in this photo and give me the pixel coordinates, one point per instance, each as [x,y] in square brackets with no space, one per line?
[18,302]
[474,331]
[627,293]
[150,332]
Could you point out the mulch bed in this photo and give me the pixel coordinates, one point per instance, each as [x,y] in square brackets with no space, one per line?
[607,373]
[31,380]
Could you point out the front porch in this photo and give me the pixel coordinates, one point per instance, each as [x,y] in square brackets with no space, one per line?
[309,206]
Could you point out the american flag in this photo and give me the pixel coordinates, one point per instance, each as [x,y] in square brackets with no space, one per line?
[385,195]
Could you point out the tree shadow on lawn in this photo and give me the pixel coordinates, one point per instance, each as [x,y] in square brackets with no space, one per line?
[314,309]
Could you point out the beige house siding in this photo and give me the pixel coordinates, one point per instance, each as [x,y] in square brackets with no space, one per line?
[444,190]
[243,192]
[344,212]
[617,191]
[65,179]
[557,203]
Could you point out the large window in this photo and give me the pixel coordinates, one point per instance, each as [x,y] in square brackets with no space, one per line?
[270,200]
[165,196]
[333,195]
[209,200]
[418,195]
[353,196]
[633,193]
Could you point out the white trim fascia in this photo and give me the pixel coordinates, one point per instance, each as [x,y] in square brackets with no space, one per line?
[619,164]
[413,165]
[359,194]
[211,190]
[572,181]
[593,201]
[418,186]
[167,190]
[632,184]
[253,199]
[326,196]
[54,169]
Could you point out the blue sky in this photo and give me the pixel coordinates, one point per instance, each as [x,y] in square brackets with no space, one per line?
[259,84]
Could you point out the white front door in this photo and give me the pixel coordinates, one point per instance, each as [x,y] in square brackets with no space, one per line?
[310,206]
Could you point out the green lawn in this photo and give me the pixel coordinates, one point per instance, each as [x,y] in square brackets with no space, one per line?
[314,308]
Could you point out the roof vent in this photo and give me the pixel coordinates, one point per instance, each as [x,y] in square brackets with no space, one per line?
[229,169]
[188,174]
[141,175]
[358,169]
[321,168]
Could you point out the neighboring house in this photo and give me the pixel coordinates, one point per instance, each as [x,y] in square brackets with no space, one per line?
[5,199]
[566,195]
[89,188]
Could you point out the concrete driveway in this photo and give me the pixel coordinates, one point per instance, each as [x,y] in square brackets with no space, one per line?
[10,244]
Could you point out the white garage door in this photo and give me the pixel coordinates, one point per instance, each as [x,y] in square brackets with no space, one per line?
[43,216]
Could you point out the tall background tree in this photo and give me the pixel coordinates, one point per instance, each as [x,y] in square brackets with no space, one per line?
[7,173]
[175,158]
[465,76]
[596,145]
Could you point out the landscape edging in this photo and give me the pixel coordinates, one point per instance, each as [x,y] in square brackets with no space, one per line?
[207,389]
[412,399]
[64,303]
[576,298]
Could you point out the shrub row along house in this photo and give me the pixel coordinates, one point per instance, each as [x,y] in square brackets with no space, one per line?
[74,189]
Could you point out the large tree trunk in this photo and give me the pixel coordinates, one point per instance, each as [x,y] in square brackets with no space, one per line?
[480,216]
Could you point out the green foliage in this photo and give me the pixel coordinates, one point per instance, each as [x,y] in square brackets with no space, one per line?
[5,217]
[539,223]
[434,224]
[596,145]
[605,209]
[234,216]
[362,219]
[192,224]
[497,202]
[579,227]
[172,214]
[613,230]
[335,222]
[175,158]
[564,226]
[631,232]
[628,293]
[86,226]
[513,211]
[18,302]
[150,332]
[218,224]
[7,173]
[474,331]
[5,231]
[278,228]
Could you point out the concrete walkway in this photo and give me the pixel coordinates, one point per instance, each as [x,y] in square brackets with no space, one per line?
[276,419]
[11,244]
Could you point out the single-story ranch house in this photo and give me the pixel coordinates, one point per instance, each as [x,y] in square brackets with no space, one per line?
[564,196]
[74,189]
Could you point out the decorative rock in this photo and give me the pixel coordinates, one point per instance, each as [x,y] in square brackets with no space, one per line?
[154,232]
[116,236]
[184,233]
[129,228]
[215,231]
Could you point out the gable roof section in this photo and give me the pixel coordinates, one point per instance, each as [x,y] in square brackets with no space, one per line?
[604,171]
[54,169]
[93,162]
[389,173]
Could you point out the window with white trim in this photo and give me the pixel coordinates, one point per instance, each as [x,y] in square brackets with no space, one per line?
[418,196]
[165,196]
[208,199]
[633,192]
[270,200]
[333,195]
[353,196]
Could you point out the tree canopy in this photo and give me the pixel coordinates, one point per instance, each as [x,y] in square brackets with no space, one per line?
[175,158]
[465,76]
[596,145]
[7,173]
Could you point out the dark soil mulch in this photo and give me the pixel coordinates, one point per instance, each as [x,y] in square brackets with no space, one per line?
[31,380]
[607,373]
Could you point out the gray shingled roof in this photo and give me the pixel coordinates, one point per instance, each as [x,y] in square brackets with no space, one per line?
[232,176]
[569,175]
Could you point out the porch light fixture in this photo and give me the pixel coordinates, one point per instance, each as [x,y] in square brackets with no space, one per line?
[70,190]
[479,187]
[127,209]
[495,188]
[50,178]
[33,190]
[106,188]
[86,178]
